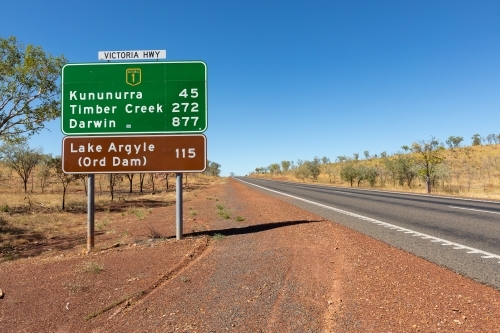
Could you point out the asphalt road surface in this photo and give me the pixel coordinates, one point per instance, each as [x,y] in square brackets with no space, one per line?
[460,234]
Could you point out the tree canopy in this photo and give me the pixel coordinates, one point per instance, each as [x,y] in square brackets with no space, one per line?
[213,169]
[21,158]
[29,90]
[454,141]
[428,156]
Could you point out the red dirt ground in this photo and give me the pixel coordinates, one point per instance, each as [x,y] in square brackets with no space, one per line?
[281,269]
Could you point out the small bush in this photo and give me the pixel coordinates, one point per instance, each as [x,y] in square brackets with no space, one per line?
[218,236]
[93,267]
[223,212]
[139,213]
[153,233]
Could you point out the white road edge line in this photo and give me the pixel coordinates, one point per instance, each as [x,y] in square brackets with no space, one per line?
[475,210]
[381,191]
[385,224]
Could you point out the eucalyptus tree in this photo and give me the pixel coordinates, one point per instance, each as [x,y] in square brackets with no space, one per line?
[348,172]
[367,173]
[29,88]
[476,140]
[428,155]
[491,138]
[285,166]
[274,168]
[314,167]
[213,169]
[454,141]
[21,158]
[303,171]
[130,177]
[406,169]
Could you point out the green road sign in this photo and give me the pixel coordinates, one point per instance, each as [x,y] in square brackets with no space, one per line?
[134,98]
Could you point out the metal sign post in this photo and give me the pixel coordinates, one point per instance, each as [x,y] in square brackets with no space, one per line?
[90,212]
[178,206]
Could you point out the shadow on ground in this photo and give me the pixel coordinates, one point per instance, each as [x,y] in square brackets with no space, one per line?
[248,229]
[38,244]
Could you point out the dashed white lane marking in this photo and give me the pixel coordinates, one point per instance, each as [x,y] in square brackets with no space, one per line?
[456,246]
[476,210]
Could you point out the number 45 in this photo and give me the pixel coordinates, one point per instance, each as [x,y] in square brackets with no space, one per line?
[194,93]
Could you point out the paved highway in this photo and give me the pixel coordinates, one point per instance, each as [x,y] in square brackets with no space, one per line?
[462,235]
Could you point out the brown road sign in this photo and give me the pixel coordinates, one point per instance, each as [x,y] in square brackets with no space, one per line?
[134,154]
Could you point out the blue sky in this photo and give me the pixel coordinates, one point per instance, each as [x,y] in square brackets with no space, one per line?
[291,80]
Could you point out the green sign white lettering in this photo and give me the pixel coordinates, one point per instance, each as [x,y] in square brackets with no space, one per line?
[134,98]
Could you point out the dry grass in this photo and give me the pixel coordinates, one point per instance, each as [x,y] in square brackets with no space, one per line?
[32,217]
[475,173]
[91,267]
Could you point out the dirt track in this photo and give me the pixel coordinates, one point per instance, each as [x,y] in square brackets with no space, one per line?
[280,270]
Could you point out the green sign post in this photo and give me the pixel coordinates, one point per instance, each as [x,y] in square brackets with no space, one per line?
[134,98]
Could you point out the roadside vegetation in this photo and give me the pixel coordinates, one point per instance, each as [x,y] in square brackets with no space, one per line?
[36,216]
[427,166]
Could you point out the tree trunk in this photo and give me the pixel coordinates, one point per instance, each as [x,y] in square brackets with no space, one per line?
[428,184]
[141,180]
[409,178]
[111,189]
[64,197]
[84,182]
[130,178]
[152,180]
